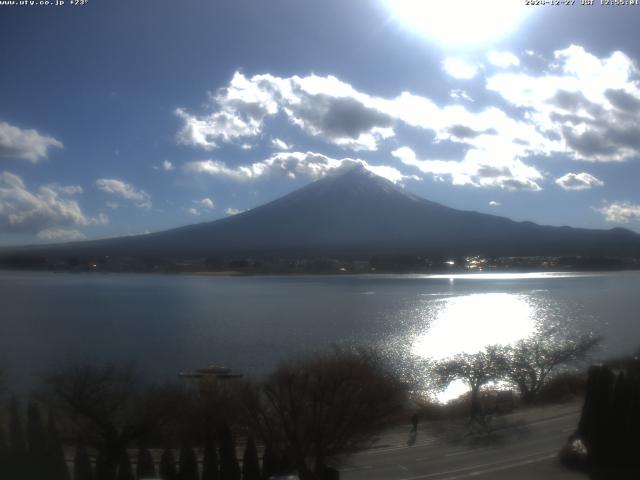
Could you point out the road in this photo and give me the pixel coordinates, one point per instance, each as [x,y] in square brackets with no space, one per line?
[522,446]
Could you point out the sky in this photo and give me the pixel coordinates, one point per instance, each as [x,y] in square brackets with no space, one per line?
[122,117]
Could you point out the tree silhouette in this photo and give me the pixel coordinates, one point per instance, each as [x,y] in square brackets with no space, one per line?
[125,472]
[104,470]
[530,362]
[82,465]
[146,467]
[111,408]
[188,464]
[229,468]
[608,426]
[269,463]
[324,405]
[250,462]
[36,443]
[35,434]
[4,455]
[476,370]
[210,467]
[55,452]
[17,445]
[168,466]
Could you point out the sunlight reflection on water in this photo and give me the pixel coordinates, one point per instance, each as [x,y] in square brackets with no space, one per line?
[471,322]
[468,323]
[480,276]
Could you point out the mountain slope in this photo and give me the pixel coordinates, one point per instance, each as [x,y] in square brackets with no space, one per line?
[358,214]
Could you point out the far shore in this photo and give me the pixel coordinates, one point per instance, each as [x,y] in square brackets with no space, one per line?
[453,274]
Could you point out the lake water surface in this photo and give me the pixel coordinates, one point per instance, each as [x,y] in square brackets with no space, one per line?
[167,323]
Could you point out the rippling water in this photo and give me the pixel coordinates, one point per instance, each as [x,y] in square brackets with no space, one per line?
[484,318]
[169,323]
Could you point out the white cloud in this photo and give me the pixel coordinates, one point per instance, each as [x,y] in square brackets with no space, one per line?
[578,181]
[490,131]
[458,94]
[321,106]
[167,166]
[23,211]
[493,203]
[61,235]
[125,191]
[503,59]
[233,211]
[592,103]
[477,169]
[238,111]
[24,144]
[142,232]
[582,106]
[620,212]
[333,110]
[101,219]
[459,68]
[200,205]
[292,165]
[205,203]
[68,190]
[217,168]
[280,144]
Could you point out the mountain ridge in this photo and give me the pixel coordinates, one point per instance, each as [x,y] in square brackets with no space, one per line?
[356,213]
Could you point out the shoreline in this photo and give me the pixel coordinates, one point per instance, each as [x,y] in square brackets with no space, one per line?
[457,274]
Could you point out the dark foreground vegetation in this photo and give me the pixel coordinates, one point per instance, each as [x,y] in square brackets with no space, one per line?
[104,423]
[607,440]
[527,366]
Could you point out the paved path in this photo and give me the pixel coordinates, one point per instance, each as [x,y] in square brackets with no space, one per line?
[521,446]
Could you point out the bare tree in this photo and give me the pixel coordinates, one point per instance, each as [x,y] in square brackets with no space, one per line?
[107,407]
[475,369]
[530,362]
[322,406]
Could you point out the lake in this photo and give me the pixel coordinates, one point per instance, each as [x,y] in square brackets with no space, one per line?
[169,323]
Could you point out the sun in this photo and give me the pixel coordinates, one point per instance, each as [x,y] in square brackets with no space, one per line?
[461,23]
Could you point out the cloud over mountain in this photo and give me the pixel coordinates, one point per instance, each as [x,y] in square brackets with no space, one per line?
[477,169]
[620,212]
[330,109]
[61,235]
[321,106]
[290,164]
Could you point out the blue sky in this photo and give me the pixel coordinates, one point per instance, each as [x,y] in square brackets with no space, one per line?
[124,117]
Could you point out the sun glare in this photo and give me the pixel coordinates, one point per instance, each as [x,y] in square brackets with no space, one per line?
[471,322]
[464,23]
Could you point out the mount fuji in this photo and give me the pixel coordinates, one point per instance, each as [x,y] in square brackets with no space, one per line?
[358,214]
